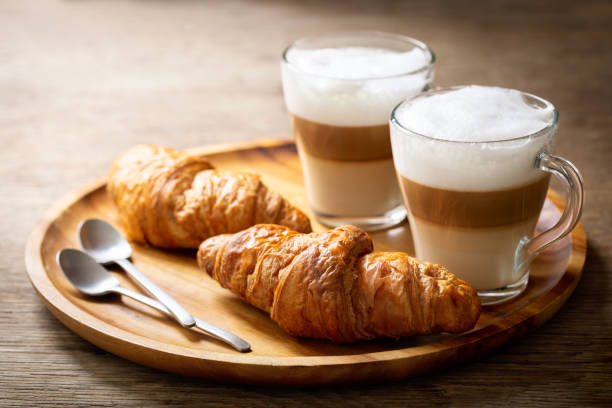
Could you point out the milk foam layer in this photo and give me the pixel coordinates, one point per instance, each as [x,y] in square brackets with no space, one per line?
[356,62]
[352,86]
[475,114]
[481,122]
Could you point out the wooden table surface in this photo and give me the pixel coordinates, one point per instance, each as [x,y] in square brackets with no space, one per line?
[82,80]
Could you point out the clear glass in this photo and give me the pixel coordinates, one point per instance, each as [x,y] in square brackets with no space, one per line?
[340,124]
[485,234]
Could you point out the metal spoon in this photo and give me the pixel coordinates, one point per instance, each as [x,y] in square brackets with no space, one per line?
[91,278]
[106,245]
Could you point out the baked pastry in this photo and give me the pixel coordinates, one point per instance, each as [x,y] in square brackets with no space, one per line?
[172,199]
[332,286]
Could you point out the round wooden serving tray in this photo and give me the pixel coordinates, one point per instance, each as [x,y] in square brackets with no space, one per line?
[137,333]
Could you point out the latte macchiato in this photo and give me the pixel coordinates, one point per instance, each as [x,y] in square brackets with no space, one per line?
[339,92]
[465,159]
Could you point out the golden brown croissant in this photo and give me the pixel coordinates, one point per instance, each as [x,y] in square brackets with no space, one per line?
[330,285]
[172,199]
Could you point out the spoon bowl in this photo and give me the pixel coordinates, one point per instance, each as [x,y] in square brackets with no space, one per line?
[85,273]
[102,241]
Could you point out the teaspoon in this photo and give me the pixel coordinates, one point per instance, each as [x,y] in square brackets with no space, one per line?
[106,245]
[91,278]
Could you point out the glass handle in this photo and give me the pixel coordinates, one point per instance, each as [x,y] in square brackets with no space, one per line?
[529,248]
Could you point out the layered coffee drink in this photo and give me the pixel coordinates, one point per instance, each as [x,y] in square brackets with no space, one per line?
[465,160]
[340,92]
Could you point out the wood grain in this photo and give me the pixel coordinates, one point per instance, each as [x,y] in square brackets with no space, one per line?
[133,332]
[80,81]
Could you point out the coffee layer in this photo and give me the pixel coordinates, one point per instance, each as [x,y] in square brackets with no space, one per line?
[475,209]
[342,143]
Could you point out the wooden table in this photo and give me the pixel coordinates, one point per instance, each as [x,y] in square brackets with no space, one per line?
[81,81]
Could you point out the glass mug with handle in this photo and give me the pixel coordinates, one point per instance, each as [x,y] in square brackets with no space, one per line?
[474,164]
[339,90]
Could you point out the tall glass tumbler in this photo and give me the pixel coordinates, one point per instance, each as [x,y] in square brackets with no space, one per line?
[339,90]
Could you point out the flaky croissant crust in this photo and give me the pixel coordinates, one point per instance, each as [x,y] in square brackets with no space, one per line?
[171,199]
[330,285]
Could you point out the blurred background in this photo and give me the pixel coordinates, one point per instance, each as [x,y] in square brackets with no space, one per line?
[184,73]
[81,80]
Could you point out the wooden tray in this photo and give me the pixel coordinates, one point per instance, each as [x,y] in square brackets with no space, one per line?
[137,333]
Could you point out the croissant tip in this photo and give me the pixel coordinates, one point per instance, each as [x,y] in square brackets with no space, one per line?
[207,252]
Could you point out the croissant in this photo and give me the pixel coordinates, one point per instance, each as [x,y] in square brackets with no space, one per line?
[332,286]
[172,199]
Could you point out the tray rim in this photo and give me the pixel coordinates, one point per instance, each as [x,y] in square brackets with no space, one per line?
[38,276]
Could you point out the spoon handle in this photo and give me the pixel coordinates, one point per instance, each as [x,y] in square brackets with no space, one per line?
[176,310]
[211,330]
[223,335]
